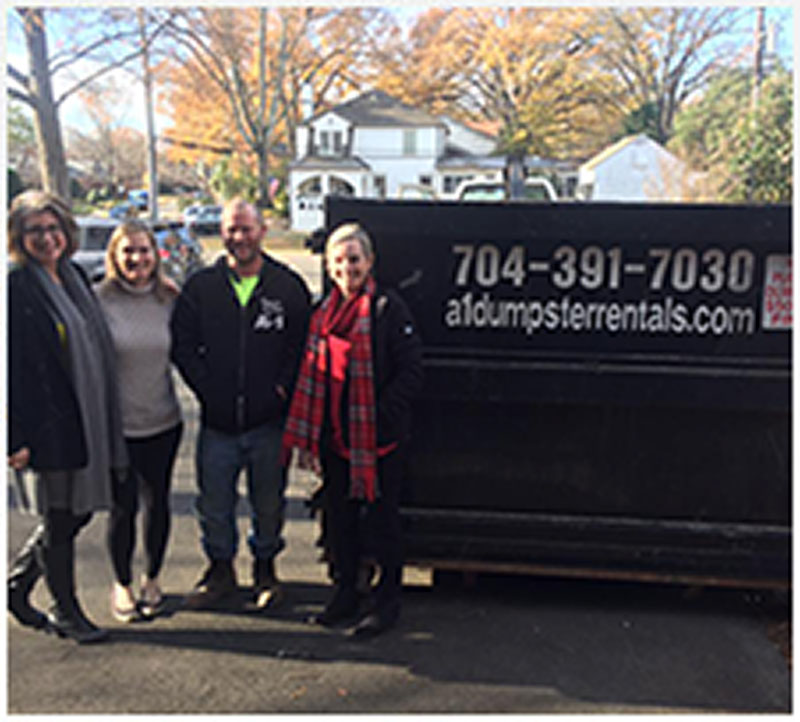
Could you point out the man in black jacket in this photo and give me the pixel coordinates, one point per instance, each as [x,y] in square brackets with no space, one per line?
[238,329]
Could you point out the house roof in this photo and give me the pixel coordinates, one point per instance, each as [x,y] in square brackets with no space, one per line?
[456,161]
[483,128]
[316,162]
[376,108]
[614,148]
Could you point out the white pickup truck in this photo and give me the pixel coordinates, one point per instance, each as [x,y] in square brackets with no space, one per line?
[536,189]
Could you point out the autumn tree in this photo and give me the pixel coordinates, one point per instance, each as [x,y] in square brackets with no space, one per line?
[517,66]
[95,36]
[236,75]
[114,152]
[37,92]
[655,58]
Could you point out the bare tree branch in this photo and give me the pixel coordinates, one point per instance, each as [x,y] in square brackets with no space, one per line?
[18,76]
[17,95]
[93,76]
[75,56]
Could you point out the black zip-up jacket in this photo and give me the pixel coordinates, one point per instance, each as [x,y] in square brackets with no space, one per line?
[397,369]
[234,357]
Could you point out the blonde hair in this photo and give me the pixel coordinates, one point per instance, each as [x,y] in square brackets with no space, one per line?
[350,232]
[114,273]
[29,203]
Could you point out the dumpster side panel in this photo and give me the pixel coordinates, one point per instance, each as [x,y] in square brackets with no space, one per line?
[608,376]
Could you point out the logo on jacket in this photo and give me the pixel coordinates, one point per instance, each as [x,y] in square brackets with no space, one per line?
[270,315]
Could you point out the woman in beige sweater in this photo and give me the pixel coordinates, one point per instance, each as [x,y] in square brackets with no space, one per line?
[137,301]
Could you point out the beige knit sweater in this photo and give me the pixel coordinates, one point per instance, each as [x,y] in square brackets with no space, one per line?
[139,324]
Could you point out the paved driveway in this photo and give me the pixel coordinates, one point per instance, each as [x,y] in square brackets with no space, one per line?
[505,645]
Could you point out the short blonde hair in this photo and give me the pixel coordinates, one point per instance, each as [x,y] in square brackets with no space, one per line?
[348,232]
[29,203]
[126,229]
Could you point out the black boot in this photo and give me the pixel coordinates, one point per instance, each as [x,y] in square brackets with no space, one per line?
[25,572]
[385,606]
[66,617]
[268,591]
[343,605]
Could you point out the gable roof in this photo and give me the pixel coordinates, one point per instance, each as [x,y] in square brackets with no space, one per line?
[376,108]
[618,146]
[316,162]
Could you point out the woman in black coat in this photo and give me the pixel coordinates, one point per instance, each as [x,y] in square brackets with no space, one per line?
[350,418]
[63,413]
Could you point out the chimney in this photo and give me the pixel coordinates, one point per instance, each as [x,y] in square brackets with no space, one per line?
[306,101]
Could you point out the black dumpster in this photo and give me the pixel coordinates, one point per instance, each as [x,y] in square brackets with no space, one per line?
[607,386]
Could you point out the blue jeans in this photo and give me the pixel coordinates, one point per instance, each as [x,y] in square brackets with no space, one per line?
[220,459]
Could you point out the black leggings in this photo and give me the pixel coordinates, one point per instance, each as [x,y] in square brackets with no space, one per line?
[150,473]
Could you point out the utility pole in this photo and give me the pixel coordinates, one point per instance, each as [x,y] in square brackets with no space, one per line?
[758,57]
[152,161]
[758,76]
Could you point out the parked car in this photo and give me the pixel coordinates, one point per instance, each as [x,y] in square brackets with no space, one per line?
[206,222]
[190,212]
[535,190]
[139,198]
[123,210]
[180,251]
[414,191]
[93,236]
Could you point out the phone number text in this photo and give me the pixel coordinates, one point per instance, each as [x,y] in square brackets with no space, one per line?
[592,267]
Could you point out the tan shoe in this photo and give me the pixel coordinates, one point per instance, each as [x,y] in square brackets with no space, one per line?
[123,604]
[151,601]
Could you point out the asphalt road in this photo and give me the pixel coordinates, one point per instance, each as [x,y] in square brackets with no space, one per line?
[521,645]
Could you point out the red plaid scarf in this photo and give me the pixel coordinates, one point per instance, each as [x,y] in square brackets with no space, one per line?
[350,319]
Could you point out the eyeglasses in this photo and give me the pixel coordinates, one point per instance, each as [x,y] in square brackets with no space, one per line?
[41,231]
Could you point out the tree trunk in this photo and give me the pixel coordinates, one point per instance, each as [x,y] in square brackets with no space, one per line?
[48,129]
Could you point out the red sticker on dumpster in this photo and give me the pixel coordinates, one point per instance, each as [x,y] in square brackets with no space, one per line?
[777,309]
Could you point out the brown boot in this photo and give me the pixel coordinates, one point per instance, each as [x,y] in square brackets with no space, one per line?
[217,583]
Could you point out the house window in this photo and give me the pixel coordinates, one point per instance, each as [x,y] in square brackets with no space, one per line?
[409,142]
[340,187]
[450,182]
[426,180]
[379,185]
[330,142]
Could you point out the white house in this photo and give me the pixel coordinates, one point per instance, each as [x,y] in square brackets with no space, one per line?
[374,146]
[636,168]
